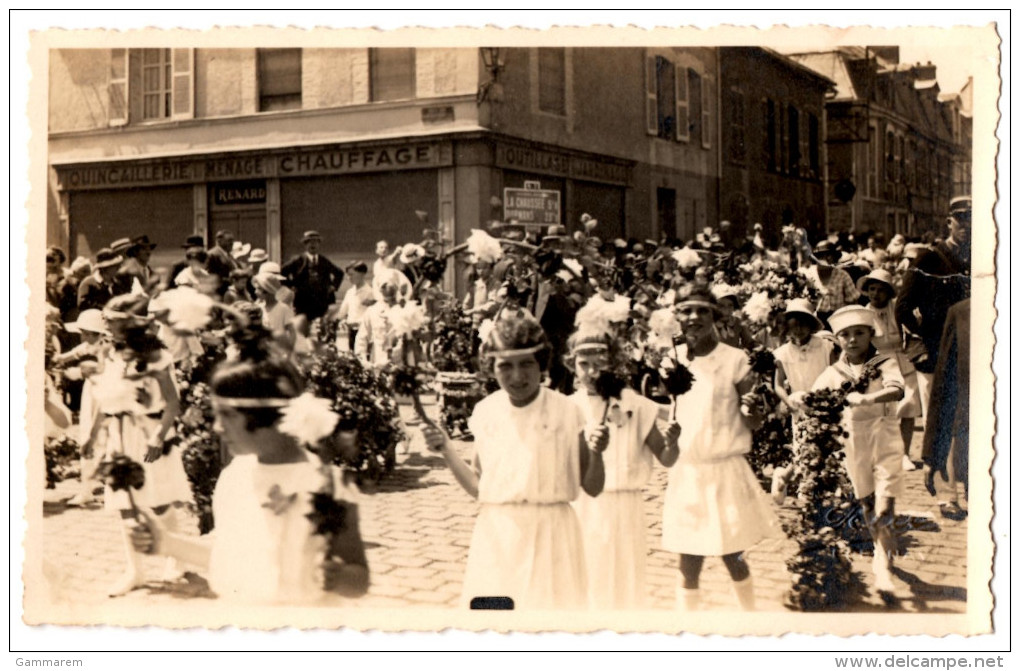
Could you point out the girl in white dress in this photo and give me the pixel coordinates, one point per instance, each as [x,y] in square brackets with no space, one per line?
[532,459]
[265,548]
[714,505]
[135,404]
[613,523]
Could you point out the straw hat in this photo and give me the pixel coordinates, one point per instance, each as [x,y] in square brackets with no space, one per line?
[267,283]
[802,306]
[240,249]
[106,258]
[89,320]
[878,275]
[851,315]
[258,256]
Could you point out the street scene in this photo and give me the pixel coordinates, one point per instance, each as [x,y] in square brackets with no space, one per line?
[492,328]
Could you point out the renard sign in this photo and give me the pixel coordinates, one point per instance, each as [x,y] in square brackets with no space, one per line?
[306,162]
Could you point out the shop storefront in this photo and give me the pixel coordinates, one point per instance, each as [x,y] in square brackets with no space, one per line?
[354,195]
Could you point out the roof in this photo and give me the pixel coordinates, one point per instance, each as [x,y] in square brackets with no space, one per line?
[832,66]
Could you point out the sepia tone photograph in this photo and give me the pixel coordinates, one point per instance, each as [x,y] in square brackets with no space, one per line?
[508,331]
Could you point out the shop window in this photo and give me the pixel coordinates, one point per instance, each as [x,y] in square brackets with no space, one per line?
[279,79]
[392,74]
[552,77]
[157,79]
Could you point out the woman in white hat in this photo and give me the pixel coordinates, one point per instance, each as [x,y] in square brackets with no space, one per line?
[82,363]
[878,287]
[277,316]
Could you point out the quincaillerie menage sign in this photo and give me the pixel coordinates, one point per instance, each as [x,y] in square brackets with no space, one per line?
[291,163]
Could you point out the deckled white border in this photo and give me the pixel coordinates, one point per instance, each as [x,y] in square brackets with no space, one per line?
[43,638]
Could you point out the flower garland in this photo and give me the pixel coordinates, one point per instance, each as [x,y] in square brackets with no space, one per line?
[368,429]
[822,573]
[61,456]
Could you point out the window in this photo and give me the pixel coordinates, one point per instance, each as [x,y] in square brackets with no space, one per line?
[667,101]
[552,75]
[793,139]
[392,73]
[157,80]
[890,161]
[683,116]
[873,167]
[118,88]
[694,105]
[814,160]
[737,126]
[279,79]
[665,75]
[707,104]
[771,146]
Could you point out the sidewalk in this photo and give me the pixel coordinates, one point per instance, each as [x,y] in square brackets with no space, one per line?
[417,528]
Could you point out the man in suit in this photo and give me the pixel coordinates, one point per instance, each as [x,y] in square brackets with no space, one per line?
[136,267]
[313,278]
[192,242]
[98,288]
[220,261]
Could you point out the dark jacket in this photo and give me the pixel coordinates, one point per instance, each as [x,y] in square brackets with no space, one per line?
[314,285]
[93,294]
[949,409]
[940,279]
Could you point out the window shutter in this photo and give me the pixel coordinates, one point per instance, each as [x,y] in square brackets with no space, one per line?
[118,87]
[183,86]
[707,105]
[651,97]
[683,122]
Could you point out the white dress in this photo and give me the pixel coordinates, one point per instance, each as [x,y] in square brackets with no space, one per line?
[613,523]
[130,404]
[714,505]
[264,549]
[527,541]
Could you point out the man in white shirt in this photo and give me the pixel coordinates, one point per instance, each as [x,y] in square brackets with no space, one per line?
[375,336]
[355,302]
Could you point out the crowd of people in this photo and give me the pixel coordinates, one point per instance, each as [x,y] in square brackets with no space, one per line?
[607,357]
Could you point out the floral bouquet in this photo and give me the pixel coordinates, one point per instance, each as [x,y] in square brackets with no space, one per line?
[676,376]
[61,454]
[121,473]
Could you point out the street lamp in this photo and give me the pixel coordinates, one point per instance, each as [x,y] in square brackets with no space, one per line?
[493,59]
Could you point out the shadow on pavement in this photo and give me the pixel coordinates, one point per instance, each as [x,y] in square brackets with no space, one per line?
[190,586]
[923,592]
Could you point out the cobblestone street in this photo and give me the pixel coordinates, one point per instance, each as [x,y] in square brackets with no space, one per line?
[417,527]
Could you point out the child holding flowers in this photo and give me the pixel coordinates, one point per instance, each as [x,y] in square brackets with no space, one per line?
[714,505]
[873,458]
[282,534]
[532,458]
[799,362]
[136,403]
[613,523]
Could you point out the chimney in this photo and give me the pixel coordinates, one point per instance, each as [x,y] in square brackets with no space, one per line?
[924,72]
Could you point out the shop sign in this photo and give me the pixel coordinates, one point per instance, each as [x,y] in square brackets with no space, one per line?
[239,193]
[107,177]
[364,159]
[528,159]
[537,207]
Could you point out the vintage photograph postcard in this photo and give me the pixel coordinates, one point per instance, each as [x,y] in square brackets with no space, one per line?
[579,329]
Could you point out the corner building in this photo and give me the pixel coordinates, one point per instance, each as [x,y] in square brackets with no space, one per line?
[271,142]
